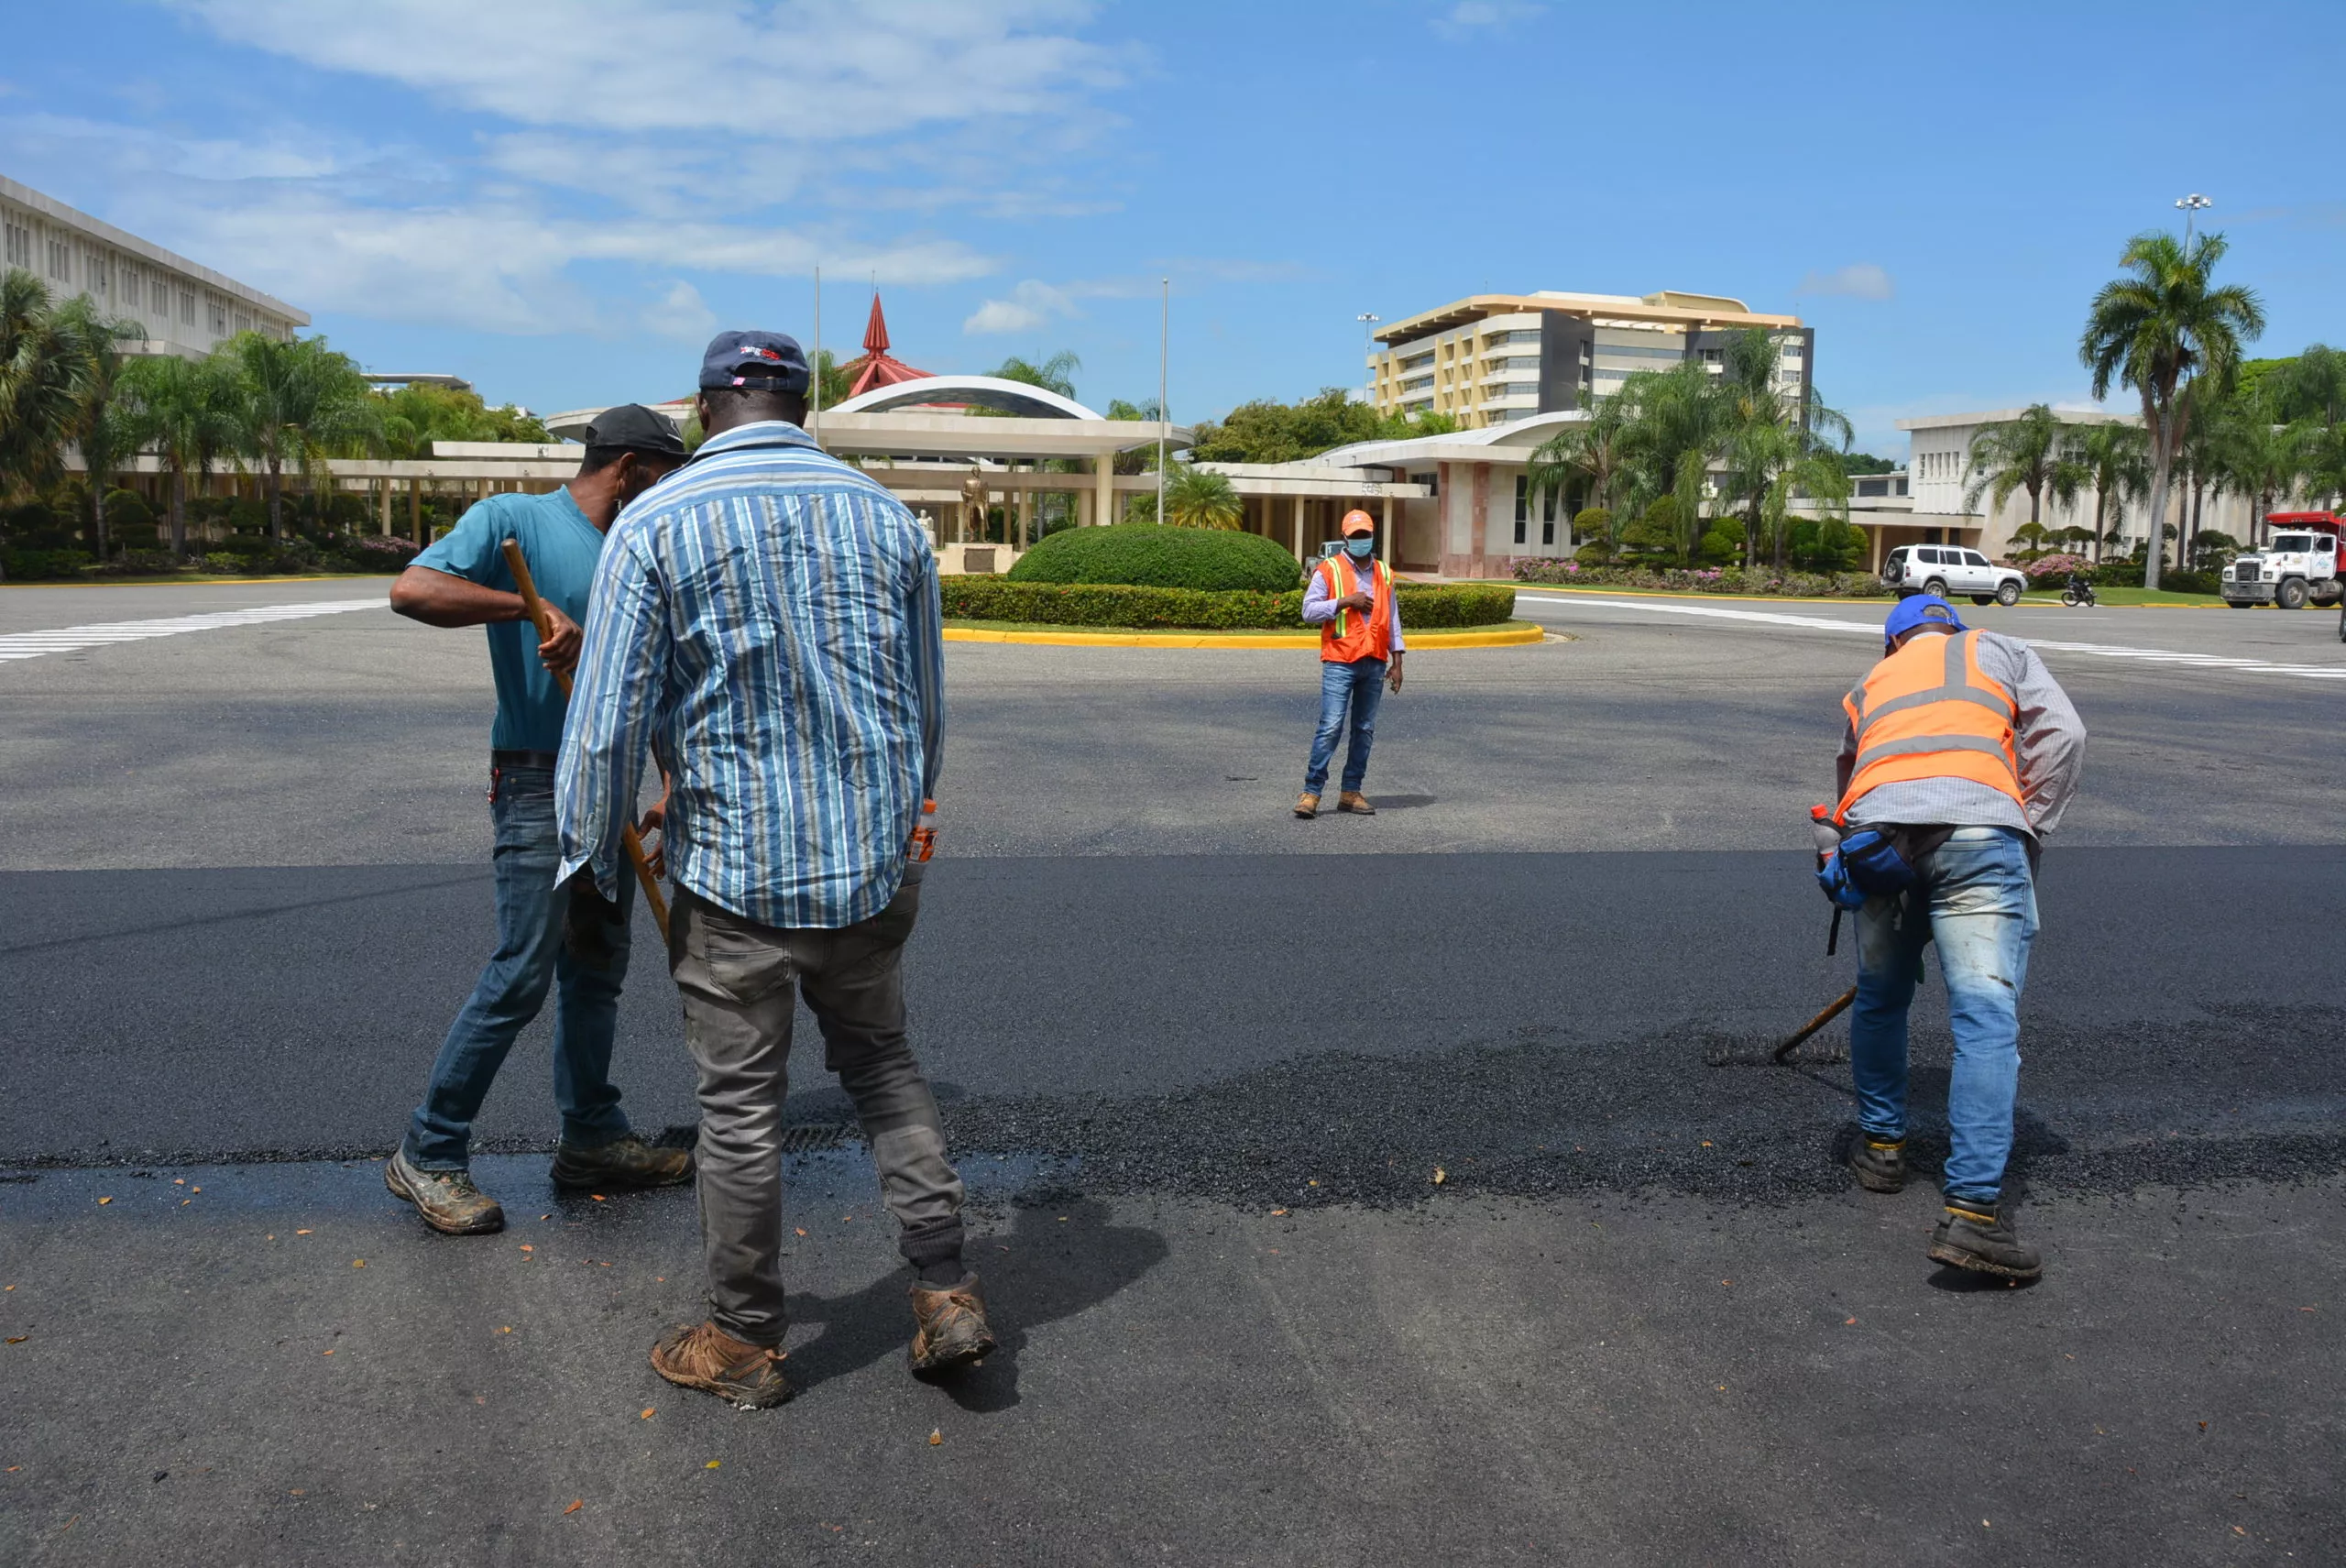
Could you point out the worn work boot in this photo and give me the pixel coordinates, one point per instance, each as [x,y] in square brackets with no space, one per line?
[1880,1162]
[704,1356]
[1973,1236]
[447,1200]
[1307,806]
[627,1161]
[1352,800]
[948,1326]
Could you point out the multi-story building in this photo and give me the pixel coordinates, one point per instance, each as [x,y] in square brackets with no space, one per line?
[184,307]
[1494,358]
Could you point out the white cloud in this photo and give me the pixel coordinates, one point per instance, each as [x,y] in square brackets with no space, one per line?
[682,314]
[1858,280]
[1469,17]
[1031,305]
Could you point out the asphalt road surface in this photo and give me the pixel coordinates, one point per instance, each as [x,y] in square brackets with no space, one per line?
[1203,1062]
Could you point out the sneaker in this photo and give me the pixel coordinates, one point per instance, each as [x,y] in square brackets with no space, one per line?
[949,1327]
[626,1161]
[1880,1162]
[447,1200]
[706,1357]
[1975,1236]
[1352,800]
[1307,806]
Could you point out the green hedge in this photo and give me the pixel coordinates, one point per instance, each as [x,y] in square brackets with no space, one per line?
[1144,555]
[1124,606]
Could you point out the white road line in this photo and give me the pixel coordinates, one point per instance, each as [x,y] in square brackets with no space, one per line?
[1864,628]
[66,639]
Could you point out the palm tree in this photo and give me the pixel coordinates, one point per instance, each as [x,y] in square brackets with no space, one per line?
[49,360]
[1773,447]
[1052,375]
[1199,497]
[185,410]
[2163,331]
[296,400]
[2114,459]
[2026,453]
[111,435]
[2265,461]
[1595,450]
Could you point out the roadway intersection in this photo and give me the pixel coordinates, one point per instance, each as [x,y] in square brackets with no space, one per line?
[1205,1060]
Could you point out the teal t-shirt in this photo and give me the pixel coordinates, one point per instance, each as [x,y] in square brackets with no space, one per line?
[561,548]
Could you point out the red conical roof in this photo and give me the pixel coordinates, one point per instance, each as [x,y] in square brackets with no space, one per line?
[875,331]
[875,368]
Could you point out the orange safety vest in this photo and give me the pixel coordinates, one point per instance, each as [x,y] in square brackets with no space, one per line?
[1927,712]
[1348,635]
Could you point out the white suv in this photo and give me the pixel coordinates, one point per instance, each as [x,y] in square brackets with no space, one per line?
[1947,570]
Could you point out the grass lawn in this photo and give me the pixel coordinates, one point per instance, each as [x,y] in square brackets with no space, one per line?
[1302,634]
[2130,596]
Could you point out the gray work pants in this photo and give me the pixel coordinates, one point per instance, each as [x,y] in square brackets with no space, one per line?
[740,982]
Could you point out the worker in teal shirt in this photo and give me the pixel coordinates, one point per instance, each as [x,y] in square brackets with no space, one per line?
[567,939]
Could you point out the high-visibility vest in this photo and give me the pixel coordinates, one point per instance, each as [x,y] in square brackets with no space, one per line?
[1927,712]
[1349,635]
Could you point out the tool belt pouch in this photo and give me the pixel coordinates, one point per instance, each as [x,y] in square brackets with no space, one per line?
[1888,860]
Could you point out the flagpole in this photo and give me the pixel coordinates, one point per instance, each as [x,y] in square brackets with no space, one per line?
[1164,338]
[818,366]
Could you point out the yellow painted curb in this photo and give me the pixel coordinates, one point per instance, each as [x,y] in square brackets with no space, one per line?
[1500,637]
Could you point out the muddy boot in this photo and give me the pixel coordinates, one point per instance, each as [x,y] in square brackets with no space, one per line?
[447,1200]
[1880,1162]
[706,1357]
[1352,800]
[1307,806]
[949,1327]
[1974,1236]
[626,1161]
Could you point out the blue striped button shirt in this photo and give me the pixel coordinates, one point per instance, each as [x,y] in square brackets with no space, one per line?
[766,621]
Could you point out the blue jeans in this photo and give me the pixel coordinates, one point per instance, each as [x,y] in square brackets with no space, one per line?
[532,956]
[1358,687]
[1977,902]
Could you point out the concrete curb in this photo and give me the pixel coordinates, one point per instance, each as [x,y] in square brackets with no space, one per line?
[1500,637]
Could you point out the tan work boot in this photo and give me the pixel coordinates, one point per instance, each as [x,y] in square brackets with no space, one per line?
[1352,800]
[627,1161]
[706,1357]
[1307,806]
[949,1327]
[447,1200]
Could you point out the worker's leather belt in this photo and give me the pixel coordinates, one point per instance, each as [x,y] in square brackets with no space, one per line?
[503,758]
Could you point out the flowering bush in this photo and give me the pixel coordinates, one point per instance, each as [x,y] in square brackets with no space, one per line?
[1706,579]
[2052,571]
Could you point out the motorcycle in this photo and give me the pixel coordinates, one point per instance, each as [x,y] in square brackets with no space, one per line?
[2082,595]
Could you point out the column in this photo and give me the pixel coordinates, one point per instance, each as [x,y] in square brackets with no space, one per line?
[1026,518]
[415,513]
[1103,504]
[1296,526]
[1388,531]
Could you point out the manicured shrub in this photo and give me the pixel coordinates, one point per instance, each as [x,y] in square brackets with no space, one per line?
[1144,555]
[42,565]
[2052,571]
[1710,580]
[1110,605]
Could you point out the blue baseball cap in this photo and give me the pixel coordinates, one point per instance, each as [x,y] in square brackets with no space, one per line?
[762,361]
[1923,609]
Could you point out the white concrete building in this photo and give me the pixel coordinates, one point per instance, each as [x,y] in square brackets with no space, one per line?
[185,307]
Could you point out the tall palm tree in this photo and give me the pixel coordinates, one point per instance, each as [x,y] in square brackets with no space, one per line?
[2265,461]
[1594,451]
[111,432]
[49,358]
[1673,426]
[2164,332]
[1053,375]
[2115,461]
[1199,497]
[1773,447]
[295,402]
[2026,453]
[186,411]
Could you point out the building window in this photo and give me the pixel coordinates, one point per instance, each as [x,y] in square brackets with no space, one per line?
[61,261]
[159,299]
[19,245]
[187,307]
[1428,480]
[1522,505]
[219,319]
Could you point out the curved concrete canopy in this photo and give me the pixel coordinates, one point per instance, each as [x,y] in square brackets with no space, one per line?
[979,391]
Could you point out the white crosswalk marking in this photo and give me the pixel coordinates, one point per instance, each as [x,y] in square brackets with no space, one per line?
[66,639]
[1862,629]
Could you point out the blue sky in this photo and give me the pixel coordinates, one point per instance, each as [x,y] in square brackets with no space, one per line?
[561,201]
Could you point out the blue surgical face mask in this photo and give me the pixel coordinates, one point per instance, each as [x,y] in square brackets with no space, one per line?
[1360,549]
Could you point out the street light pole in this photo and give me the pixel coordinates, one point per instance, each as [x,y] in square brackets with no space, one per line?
[1368,319]
[1164,416]
[2192,206]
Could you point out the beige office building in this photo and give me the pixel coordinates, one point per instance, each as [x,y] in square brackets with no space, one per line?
[185,307]
[1493,359]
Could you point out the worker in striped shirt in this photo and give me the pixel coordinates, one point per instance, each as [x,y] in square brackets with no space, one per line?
[766,624]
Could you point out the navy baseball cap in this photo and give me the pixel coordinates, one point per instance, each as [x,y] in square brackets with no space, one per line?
[762,361]
[1923,609]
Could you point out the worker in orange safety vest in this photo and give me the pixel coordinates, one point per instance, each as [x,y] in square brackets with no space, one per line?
[1351,598]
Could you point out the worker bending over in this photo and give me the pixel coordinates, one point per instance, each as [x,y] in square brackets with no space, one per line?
[1960,754]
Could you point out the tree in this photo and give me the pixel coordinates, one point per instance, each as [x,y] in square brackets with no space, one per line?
[2114,459]
[1867,463]
[1265,431]
[1594,451]
[409,419]
[50,357]
[2164,332]
[295,401]
[2265,461]
[836,383]
[185,410]
[2026,454]
[1772,448]
[1673,424]
[111,433]
[1053,375]
[1198,497]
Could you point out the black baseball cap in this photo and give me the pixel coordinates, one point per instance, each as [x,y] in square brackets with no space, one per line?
[762,361]
[631,427]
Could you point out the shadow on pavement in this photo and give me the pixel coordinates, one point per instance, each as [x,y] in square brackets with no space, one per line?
[1046,1269]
